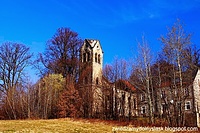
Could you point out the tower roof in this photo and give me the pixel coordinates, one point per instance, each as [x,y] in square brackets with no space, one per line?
[92,42]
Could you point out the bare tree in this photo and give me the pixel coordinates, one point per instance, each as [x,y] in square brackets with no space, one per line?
[161,79]
[108,72]
[175,50]
[120,69]
[141,75]
[117,71]
[14,58]
[62,53]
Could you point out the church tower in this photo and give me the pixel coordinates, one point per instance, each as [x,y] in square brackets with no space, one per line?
[90,79]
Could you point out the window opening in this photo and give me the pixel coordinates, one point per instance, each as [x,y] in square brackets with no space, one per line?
[88,56]
[134,103]
[95,57]
[99,58]
[97,80]
[187,105]
[143,110]
[84,57]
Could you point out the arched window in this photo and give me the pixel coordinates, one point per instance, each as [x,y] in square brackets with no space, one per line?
[99,58]
[88,56]
[95,57]
[143,110]
[84,57]
[188,105]
[134,103]
[97,80]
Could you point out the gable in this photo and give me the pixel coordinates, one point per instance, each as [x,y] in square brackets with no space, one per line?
[197,77]
[86,46]
[91,44]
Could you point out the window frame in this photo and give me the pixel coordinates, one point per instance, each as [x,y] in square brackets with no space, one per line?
[84,57]
[188,104]
[99,59]
[95,57]
[143,109]
[97,80]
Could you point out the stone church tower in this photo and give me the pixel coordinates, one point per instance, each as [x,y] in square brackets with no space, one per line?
[90,80]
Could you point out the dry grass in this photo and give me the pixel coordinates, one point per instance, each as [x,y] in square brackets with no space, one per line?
[55,125]
[63,126]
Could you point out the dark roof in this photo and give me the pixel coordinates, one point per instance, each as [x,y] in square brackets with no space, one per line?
[127,84]
[91,42]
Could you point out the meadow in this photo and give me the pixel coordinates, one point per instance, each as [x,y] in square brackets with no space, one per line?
[71,126]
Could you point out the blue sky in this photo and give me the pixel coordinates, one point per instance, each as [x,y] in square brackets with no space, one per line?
[116,23]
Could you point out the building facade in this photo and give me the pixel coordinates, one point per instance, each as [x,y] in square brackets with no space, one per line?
[196,86]
[90,80]
[121,100]
[100,97]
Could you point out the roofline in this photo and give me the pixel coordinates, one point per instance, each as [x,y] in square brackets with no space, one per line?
[87,40]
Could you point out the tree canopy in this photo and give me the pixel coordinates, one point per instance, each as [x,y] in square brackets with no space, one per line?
[62,53]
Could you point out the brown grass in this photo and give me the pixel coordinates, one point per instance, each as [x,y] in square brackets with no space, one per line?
[71,126]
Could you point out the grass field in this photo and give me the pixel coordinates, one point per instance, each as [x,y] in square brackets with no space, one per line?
[65,126]
[55,125]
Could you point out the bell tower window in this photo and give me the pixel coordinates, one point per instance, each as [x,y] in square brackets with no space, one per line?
[95,57]
[84,57]
[88,56]
[134,103]
[99,59]
[97,81]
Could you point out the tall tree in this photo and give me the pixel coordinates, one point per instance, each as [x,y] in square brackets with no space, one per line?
[108,72]
[120,69]
[176,51]
[45,96]
[62,53]
[117,71]
[14,58]
[141,75]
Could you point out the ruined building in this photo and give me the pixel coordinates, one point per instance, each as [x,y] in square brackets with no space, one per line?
[121,100]
[100,97]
